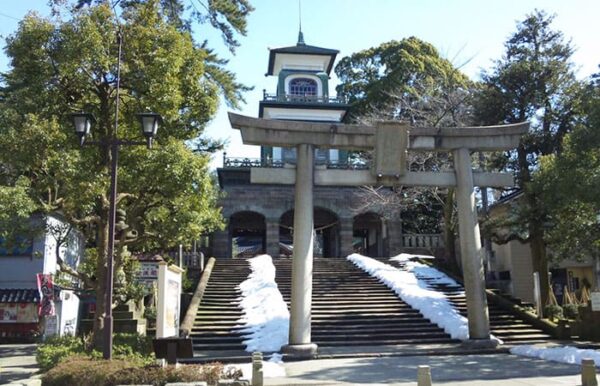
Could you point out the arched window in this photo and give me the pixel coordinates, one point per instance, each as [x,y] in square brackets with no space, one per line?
[303,87]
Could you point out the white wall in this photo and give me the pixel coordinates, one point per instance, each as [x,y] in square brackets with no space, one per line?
[20,271]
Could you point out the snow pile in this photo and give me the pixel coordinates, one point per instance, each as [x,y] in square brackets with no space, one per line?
[273,368]
[423,270]
[563,354]
[407,256]
[432,304]
[266,316]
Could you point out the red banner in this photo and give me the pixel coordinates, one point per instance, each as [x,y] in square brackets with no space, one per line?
[46,288]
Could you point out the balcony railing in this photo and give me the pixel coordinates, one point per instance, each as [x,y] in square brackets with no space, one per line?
[426,241]
[302,98]
[232,162]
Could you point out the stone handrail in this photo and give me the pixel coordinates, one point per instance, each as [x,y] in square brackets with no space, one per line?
[528,316]
[190,315]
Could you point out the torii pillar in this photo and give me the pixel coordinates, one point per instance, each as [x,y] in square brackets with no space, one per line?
[300,344]
[470,250]
[390,141]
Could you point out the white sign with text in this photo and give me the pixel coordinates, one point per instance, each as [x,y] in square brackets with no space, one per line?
[169,300]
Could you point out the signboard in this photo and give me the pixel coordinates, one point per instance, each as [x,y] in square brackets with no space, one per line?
[148,273]
[595,298]
[51,326]
[169,300]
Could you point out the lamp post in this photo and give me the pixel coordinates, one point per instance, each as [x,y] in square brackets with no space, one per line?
[83,123]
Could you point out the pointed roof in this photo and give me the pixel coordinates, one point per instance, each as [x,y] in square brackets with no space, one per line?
[301,48]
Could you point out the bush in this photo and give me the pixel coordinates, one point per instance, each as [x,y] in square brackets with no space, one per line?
[128,344]
[83,371]
[553,311]
[131,347]
[571,311]
[55,349]
[159,376]
[78,371]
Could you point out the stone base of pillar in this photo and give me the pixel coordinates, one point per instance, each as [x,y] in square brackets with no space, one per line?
[300,351]
[476,344]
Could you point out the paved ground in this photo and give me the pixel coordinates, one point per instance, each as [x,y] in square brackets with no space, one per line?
[18,365]
[471,370]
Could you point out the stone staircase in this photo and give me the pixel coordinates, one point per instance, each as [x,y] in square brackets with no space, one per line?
[506,326]
[216,332]
[351,308]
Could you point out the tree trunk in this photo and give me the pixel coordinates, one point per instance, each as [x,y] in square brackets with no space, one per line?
[450,233]
[540,262]
[535,226]
[102,250]
[597,272]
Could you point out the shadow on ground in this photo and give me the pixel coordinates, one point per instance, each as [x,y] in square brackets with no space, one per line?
[443,369]
[17,362]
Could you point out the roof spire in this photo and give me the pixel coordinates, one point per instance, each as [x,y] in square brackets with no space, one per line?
[300,34]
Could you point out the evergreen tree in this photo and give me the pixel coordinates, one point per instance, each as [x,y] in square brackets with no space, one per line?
[534,81]
[569,183]
[63,66]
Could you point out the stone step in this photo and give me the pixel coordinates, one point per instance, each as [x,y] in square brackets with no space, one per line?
[210,317]
[222,346]
[380,330]
[367,307]
[219,339]
[370,342]
[391,335]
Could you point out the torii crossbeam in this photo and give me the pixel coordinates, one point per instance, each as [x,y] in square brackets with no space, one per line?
[391,141]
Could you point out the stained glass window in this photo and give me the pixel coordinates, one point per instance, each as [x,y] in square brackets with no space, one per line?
[303,86]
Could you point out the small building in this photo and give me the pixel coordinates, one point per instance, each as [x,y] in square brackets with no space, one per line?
[260,217]
[20,295]
[511,264]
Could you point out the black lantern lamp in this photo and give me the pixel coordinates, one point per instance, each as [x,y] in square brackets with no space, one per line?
[150,123]
[83,123]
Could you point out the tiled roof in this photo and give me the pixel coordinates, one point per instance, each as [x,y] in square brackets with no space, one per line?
[15,295]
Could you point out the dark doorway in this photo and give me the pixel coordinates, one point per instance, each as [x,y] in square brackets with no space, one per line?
[368,235]
[247,232]
[327,239]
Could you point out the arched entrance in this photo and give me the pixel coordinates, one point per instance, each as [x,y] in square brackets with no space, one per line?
[326,228]
[368,234]
[247,234]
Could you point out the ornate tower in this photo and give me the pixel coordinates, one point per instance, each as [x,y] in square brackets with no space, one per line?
[302,94]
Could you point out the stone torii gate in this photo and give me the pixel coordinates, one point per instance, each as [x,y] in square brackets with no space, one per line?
[391,141]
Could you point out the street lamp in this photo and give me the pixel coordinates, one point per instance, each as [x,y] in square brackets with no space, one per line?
[83,123]
[150,123]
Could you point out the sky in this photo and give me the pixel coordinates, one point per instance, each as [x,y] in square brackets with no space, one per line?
[470,33]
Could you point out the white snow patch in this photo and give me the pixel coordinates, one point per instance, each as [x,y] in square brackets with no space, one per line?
[432,304]
[424,270]
[563,354]
[408,256]
[266,316]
